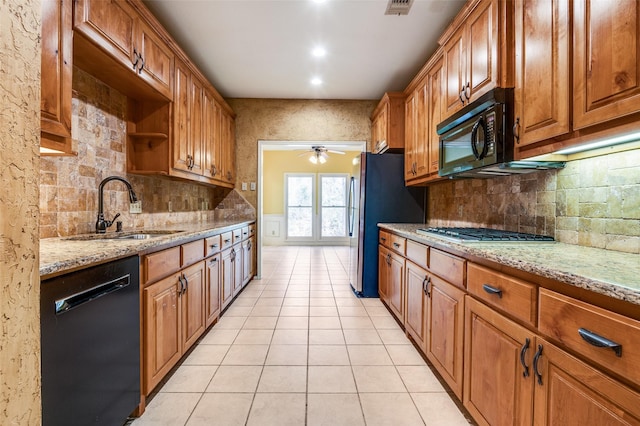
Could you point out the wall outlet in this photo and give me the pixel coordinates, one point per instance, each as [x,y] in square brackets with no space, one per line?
[244,186]
[169,206]
[253,186]
[135,208]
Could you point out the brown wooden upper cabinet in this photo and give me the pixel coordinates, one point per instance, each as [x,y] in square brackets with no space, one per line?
[542,70]
[423,112]
[56,76]
[604,62]
[387,128]
[471,55]
[133,49]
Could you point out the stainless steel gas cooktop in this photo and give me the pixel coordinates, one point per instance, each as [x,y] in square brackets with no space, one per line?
[483,235]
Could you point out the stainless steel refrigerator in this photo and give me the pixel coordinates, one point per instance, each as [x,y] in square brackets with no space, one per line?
[377,194]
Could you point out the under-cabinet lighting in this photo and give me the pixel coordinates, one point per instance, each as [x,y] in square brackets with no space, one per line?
[600,144]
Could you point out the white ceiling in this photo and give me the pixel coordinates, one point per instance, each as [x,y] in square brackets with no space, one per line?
[262,48]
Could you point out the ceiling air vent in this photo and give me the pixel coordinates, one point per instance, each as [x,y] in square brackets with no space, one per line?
[398,7]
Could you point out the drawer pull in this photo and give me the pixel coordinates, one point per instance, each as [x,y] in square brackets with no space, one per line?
[425,286]
[492,290]
[383,239]
[396,245]
[536,358]
[523,353]
[600,342]
[227,240]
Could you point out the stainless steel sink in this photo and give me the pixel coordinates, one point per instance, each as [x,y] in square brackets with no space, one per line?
[130,235]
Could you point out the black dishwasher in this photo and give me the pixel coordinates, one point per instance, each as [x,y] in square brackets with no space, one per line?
[90,325]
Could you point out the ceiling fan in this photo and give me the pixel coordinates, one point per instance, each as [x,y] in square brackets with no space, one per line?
[319,154]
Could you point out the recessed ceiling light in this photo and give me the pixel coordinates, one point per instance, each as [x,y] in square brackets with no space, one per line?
[316,81]
[319,52]
[319,1]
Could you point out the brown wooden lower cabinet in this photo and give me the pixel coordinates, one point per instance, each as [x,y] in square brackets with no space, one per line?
[498,387]
[237,268]
[212,304]
[192,300]
[416,307]
[383,273]
[570,392]
[227,277]
[162,329]
[445,331]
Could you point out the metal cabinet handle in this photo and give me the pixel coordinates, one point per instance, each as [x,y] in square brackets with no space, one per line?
[136,58]
[600,342]
[396,245]
[516,130]
[181,291]
[467,89]
[424,284]
[140,68]
[536,358]
[383,239]
[213,246]
[186,283]
[213,261]
[523,352]
[492,290]
[389,259]
[460,97]
[227,240]
[428,292]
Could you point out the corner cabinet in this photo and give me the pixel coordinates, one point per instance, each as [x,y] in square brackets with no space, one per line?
[387,128]
[56,76]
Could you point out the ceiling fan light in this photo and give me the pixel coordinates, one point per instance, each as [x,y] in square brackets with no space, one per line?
[313,158]
[322,159]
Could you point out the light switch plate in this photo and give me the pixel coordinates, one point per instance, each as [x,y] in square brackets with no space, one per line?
[135,208]
[253,186]
[244,186]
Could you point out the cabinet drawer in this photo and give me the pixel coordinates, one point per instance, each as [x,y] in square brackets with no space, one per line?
[227,240]
[564,319]
[192,252]
[160,264]
[447,266]
[245,233]
[252,230]
[237,235]
[418,253]
[398,244]
[384,238]
[513,296]
[212,245]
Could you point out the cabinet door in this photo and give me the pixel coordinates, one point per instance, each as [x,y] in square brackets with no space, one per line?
[212,290]
[384,260]
[237,266]
[416,280]
[395,286]
[181,115]
[56,73]
[436,95]
[496,389]
[110,25]
[247,261]
[482,50]
[445,331]
[193,304]
[230,144]
[542,70]
[409,137]
[162,333]
[196,148]
[455,62]
[227,275]
[156,63]
[571,392]
[422,129]
[606,66]
[208,138]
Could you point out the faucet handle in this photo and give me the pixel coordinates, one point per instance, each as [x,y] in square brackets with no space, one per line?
[110,222]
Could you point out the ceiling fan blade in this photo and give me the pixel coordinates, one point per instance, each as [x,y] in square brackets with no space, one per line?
[304,153]
[335,152]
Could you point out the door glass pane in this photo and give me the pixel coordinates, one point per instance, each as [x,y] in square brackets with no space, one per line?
[333,205]
[333,222]
[300,222]
[333,191]
[300,191]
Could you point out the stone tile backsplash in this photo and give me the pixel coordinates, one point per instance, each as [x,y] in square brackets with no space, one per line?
[593,202]
[69,185]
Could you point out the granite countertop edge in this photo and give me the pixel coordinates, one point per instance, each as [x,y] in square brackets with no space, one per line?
[63,254]
[610,273]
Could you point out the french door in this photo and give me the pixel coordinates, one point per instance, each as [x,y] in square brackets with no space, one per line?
[316,207]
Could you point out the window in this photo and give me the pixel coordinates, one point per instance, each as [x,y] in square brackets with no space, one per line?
[333,194]
[300,196]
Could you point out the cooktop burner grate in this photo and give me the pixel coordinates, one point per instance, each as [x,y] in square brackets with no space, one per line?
[483,234]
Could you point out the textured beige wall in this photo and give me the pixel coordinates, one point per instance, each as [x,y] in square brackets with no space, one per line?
[293,120]
[19,248]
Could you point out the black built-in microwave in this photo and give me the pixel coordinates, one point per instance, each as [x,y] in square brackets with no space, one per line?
[477,141]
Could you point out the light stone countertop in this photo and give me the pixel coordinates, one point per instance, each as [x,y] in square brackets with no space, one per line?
[65,254]
[611,273]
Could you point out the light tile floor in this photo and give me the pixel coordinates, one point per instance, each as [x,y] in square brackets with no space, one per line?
[298,348]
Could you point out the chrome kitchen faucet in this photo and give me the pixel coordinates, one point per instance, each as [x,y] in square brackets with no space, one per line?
[102,224]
